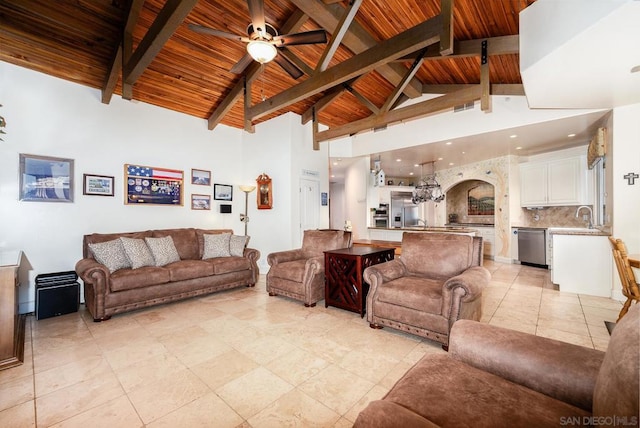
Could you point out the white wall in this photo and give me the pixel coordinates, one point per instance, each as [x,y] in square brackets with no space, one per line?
[52,117]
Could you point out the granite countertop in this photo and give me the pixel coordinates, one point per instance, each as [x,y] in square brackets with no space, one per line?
[576,231]
[445,229]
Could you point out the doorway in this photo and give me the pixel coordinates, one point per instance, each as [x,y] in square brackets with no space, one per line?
[309,205]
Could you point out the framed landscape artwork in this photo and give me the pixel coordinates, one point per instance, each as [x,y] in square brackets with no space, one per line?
[98,185]
[150,185]
[222,192]
[200,202]
[46,179]
[201,177]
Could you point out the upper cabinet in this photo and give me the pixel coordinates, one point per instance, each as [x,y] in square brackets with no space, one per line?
[556,181]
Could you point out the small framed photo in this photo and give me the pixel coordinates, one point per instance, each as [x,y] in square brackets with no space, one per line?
[222,192]
[200,177]
[98,185]
[200,202]
[46,179]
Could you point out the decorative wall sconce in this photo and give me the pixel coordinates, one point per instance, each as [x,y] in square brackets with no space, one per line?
[245,217]
[265,192]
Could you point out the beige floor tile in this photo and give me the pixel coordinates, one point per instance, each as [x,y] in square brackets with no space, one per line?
[265,349]
[60,357]
[336,388]
[370,366]
[224,368]
[253,391]
[600,302]
[67,402]
[343,423]
[148,371]
[510,323]
[206,411]
[139,350]
[115,413]
[24,369]
[297,366]
[19,416]
[564,336]
[295,409]
[395,374]
[193,349]
[16,391]
[597,315]
[375,393]
[578,328]
[70,374]
[156,399]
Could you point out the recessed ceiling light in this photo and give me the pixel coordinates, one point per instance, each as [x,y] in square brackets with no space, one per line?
[335,163]
[398,160]
[449,143]
[333,176]
[439,158]
[518,148]
[513,136]
[416,165]
[464,153]
[411,173]
[451,164]
[571,135]
[635,69]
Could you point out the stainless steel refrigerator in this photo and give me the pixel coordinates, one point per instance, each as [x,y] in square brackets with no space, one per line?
[404,213]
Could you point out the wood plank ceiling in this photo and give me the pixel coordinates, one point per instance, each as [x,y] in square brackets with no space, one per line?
[187,71]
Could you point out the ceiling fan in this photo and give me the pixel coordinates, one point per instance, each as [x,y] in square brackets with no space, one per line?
[263,40]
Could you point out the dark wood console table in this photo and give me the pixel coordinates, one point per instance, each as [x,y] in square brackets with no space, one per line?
[344,286]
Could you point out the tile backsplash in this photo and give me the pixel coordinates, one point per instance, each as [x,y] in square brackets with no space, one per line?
[553,217]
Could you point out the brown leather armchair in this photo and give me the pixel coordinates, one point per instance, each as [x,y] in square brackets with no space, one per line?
[299,273]
[437,280]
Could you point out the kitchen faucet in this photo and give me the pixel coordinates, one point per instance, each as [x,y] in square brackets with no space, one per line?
[423,221]
[590,214]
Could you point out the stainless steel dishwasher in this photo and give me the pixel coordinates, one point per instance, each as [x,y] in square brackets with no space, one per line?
[532,247]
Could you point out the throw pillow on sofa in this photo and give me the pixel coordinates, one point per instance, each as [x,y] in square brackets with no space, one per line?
[163,250]
[237,244]
[216,245]
[111,254]
[137,252]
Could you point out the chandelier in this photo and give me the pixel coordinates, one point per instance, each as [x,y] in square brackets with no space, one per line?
[428,188]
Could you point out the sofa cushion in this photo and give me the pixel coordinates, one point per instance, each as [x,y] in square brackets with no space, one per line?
[184,240]
[163,250]
[229,264]
[128,279]
[95,238]
[189,269]
[448,392]
[413,292]
[137,252]
[200,234]
[237,244]
[293,270]
[437,255]
[111,254]
[618,384]
[216,245]
[315,242]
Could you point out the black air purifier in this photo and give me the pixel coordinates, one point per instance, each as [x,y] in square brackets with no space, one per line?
[57,294]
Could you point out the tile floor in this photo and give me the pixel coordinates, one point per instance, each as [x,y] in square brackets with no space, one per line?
[243,359]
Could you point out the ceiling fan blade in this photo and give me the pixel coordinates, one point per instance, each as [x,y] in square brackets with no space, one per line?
[304,38]
[214,32]
[240,66]
[288,66]
[256,13]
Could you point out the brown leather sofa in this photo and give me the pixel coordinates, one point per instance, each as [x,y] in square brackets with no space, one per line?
[495,377]
[299,273]
[107,293]
[437,280]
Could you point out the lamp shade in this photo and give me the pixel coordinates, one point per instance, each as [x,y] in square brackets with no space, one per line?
[261,51]
[247,189]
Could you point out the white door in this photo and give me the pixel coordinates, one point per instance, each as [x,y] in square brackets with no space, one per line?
[309,204]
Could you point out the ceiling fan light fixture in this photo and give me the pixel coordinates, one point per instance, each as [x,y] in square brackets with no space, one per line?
[262,51]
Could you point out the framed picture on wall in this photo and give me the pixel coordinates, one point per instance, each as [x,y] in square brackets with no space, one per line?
[98,185]
[222,192]
[46,179]
[201,177]
[200,202]
[151,185]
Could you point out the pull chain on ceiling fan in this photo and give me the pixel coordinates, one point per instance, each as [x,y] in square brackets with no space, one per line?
[263,40]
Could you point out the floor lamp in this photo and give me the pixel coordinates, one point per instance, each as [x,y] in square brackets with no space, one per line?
[245,217]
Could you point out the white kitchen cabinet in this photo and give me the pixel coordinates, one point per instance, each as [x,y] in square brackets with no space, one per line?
[488,235]
[555,182]
[582,264]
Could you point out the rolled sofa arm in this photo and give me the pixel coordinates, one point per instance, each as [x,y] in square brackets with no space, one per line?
[560,370]
[95,277]
[253,255]
[285,256]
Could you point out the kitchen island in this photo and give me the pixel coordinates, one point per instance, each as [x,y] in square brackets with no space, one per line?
[392,236]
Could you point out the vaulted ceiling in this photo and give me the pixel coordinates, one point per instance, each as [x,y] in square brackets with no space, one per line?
[390,51]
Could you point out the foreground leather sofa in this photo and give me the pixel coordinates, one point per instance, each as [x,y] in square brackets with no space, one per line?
[495,377]
[107,293]
[437,280]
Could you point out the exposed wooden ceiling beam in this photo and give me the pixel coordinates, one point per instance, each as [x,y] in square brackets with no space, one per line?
[446,38]
[364,100]
[393,97]
[496,88]
[338,34]
[416,38]
[413,111]
[501,45]
[357,39]
[116,64]
[485,83]
[165,24]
